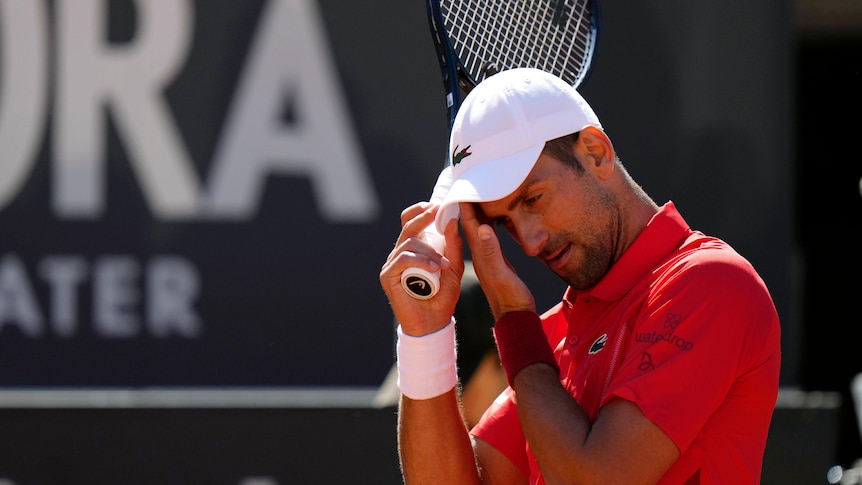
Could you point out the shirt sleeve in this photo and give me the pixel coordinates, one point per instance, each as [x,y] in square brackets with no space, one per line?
[501,428]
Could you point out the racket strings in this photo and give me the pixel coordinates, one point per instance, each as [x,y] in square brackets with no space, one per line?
[521,33]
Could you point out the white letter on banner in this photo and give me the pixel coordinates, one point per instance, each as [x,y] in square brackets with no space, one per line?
[129,80]
[64,274]
[173,285]
[17,301]
[23,91]
[114,296]
[290,69]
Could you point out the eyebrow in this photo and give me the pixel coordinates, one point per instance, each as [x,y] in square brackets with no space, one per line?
[522,194]
[517,200]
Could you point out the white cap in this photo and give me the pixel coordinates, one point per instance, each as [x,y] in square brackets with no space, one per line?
[501,129]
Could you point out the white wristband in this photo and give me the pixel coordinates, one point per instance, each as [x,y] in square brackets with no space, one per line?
[427,365]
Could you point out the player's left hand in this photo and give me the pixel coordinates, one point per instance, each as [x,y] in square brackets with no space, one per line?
[504,289]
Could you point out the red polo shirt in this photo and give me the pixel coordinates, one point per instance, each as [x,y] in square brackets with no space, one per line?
[682,326]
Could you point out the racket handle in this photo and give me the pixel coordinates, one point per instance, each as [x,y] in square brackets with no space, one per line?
[417,282]
[420,283]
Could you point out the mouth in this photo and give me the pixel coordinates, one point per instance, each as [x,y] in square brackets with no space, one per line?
[558,260]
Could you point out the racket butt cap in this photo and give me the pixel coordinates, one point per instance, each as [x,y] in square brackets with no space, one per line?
[420,284]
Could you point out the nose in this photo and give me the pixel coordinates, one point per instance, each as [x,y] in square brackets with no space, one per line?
[531,235]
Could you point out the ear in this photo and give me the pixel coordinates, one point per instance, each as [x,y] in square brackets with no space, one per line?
[596,151]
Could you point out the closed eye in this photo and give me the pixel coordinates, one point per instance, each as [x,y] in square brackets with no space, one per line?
[531,201]
[501,221]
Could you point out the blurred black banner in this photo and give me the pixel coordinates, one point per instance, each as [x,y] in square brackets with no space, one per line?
[188,197]
[201,193]
[199,446]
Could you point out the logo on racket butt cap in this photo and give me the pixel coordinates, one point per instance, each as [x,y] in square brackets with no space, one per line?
[419,286]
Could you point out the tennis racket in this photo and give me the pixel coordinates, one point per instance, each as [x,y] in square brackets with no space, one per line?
[475,39]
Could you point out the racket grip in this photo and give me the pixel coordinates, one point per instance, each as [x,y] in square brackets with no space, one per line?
[420,283]
[417,282]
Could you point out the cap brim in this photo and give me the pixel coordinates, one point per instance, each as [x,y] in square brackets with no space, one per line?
[488,181]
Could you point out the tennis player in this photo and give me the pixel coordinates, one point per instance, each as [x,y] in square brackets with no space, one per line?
[659,365]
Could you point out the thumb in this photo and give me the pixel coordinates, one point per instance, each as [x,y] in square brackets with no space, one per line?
[492,261]
[488,242]
[504,290]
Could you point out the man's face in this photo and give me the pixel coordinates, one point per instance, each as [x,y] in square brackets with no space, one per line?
[570,222]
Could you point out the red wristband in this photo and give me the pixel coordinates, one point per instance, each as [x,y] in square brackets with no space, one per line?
[521,341]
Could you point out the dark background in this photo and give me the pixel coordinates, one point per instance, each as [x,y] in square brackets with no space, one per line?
[829,211]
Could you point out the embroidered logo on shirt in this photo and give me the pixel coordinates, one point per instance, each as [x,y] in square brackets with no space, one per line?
[671,323]
[599,344]
[646,362]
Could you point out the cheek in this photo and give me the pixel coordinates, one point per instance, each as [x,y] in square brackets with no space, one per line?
[566,214]
[583,208]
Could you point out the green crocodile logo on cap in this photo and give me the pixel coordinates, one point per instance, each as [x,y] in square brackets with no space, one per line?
[457,156]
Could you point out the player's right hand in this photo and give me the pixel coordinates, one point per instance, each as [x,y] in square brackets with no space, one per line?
[421,317]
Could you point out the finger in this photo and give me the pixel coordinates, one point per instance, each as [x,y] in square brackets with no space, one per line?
[413,211]
[488,250]
[453,259]
[475,225]
[454,243]
[415,252]
[471,216]
[415,219]
[413,249]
